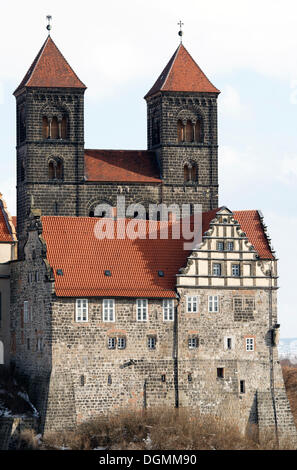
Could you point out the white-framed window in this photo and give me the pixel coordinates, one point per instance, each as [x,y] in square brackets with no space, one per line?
[151,342]
[141,309]
[121,342]
[235,270]
[168,309]
[81,310]
[230,246]
[249,344]
[26,311]
[213,303]
[192,303]
[111,344]
[193,342]
[220,246]
[217,269]
[108,310]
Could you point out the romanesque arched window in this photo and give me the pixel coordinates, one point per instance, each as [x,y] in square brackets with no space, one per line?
[54,128]
[180,131]
[45,127]
[194,173]
[51,170]
[186,174]
[189,131]
[190,173]
[55,169]
[198,131]
[59,169]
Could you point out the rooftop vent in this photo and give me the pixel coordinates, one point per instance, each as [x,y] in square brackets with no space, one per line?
[59,272]
[161,273]
[107,272]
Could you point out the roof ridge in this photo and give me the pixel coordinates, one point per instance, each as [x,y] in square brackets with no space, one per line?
[170,68]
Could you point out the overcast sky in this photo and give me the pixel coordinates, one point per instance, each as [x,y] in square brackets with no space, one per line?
[246,48]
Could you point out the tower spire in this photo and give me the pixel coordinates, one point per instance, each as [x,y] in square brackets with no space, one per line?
[180,33]
[49,26]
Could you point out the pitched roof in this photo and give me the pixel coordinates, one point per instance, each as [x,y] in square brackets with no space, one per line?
[182,74]
[134,264]
[7,228]
[50,70]
[251,224]
[139,166]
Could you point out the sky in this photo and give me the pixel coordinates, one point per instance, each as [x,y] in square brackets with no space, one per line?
[118,49]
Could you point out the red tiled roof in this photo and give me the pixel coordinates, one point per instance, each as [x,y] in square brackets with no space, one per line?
[7,232]
[134,264]
[50,69]
[250,223]
[139,166]
[182,74]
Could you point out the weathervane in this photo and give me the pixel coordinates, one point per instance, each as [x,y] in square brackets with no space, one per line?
[49,26]
[180,33]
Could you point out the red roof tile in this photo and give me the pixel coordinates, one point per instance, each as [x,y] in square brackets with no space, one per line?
[134,264]
[7,228]
[50,69]
[139,166]
[250,223]
[182,74]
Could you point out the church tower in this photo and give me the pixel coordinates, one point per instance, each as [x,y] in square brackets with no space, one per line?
[50,137]
[182,131]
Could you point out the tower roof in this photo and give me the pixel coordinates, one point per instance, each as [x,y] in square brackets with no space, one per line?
[182,74]
[50,70]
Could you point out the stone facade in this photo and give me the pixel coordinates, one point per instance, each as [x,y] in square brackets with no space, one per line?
[222,361]
[217,351]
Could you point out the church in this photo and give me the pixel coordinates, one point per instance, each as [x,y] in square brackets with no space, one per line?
[98,325]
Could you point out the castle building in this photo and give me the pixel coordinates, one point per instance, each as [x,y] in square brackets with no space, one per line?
[103,324]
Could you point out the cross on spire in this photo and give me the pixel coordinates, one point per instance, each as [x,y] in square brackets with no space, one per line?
[180,33]
[49,26]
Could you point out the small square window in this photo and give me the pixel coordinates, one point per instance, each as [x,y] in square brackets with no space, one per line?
[192,304]
[250,344]
[111,343]
[217,269]
[121,342]
[235,270]
[220,372]
[220,246]
[151,342]
[193,342]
